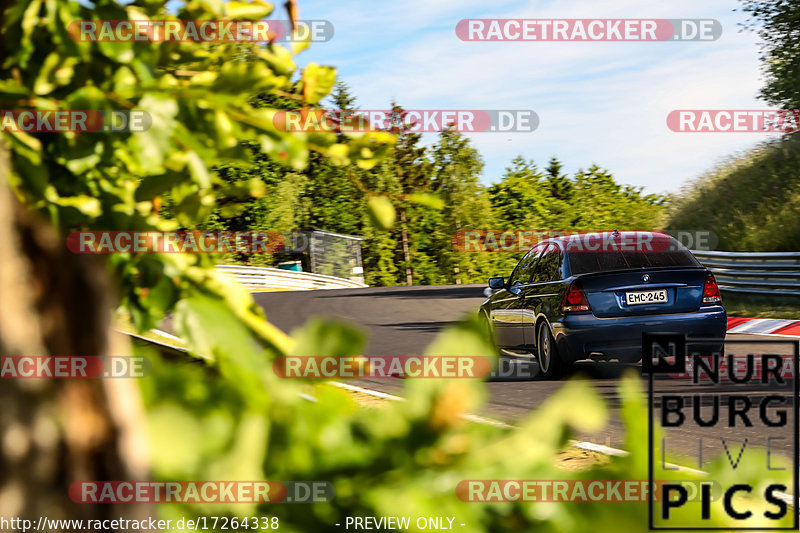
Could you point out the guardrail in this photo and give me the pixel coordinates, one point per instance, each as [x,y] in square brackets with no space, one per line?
[256,278]
[773,273]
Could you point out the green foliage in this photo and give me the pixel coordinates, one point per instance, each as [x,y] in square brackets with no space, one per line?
[198,96]
[456,180]
[592,200]
[560,185]
[599,203]
[528,199]
[381,212]
[436,192]
[750,201]
[405,458]
[521,198]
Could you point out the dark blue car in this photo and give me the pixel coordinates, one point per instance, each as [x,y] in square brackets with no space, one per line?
[592,295]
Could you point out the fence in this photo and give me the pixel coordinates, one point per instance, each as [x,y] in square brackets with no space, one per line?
[261,278]
[773,273]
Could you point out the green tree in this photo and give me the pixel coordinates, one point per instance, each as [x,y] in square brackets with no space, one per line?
[599,203]
[342,96]
[521,199]
[777,23]
[592,200]
[456,180]
[560,184]
[413,171]
[323,195]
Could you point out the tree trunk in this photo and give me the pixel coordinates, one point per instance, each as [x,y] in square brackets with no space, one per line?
[406,253]
[54,432]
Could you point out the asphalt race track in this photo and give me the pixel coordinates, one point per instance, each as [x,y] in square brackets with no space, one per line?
[398,320]
[404,320]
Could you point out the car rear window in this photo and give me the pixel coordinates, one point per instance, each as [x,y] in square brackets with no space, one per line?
[583,262]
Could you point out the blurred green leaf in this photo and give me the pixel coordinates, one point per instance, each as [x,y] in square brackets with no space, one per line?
[381,212]
[317,82]
[152,146]
[247,10]
[329,338]
[426,199]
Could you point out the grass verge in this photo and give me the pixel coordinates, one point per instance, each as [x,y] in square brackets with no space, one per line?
[754,306]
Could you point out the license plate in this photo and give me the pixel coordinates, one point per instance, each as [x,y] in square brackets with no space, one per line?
[646,297]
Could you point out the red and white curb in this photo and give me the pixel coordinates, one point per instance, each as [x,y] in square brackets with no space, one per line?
[764,326]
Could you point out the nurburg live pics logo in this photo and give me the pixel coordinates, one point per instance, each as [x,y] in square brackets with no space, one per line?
[745,415]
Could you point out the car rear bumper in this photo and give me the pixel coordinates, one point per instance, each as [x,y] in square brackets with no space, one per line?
[580,336]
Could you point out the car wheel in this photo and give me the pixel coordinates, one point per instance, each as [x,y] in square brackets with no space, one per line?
[550,364]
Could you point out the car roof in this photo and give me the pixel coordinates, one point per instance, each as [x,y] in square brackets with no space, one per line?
[565,239]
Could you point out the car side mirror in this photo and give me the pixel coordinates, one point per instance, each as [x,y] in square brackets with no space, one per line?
[497,282]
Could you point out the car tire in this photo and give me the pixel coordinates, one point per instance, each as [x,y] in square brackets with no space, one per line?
[550,364]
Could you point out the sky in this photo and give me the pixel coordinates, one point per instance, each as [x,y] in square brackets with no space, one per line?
[601,103]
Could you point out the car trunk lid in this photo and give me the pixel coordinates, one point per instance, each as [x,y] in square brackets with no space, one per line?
[644,291]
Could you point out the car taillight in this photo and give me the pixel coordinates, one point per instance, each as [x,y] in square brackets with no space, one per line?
[711,293]
[575,299]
